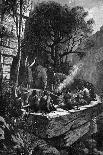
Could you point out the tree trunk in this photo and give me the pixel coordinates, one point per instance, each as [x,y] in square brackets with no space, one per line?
[52,52]
[1,69]
[1,76]
[57,58]
[19,43]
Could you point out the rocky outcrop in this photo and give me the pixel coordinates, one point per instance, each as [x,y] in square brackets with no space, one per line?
[92,69]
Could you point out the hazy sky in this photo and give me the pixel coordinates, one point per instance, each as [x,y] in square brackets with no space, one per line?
[95,8]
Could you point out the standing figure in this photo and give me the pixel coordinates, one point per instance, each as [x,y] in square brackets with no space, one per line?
[40,76]
[28,73]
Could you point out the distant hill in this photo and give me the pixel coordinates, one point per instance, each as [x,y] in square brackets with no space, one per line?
[92,70]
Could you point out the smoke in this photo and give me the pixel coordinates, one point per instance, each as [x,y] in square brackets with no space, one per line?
[70,77]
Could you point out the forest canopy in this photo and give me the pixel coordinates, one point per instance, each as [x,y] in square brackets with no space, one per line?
[53,31]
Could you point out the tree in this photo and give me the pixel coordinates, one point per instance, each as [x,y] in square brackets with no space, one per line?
[11,8]
[51,26]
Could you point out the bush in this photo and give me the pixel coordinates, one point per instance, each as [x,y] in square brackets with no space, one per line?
[11,106]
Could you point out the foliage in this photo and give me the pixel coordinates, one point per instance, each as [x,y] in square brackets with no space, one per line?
[11,7]
[10,141]
[8,6]
[10,105]
[90,43]
[13,138]
[51,26]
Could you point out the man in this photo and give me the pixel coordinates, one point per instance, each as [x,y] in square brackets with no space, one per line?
[29,72]
[40,76]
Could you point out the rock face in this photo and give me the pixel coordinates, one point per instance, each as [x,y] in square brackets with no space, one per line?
[62,128]
[92,70]
[100,76]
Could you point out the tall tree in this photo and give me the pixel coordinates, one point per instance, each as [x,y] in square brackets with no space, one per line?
[16,8]
[51,26]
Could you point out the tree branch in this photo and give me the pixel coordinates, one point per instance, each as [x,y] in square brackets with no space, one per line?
[68,52]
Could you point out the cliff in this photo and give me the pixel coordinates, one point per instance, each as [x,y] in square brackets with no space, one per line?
[92,69]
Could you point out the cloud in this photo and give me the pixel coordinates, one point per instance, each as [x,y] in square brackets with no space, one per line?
[97,14]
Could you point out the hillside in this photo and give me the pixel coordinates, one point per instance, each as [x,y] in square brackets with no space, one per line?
[92,70]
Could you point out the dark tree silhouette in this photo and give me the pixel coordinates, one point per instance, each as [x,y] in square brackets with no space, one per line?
[51,26]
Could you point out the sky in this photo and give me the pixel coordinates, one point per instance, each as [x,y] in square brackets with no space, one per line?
[94,7]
